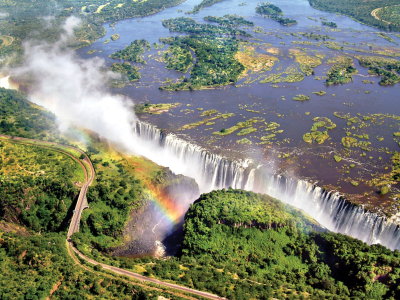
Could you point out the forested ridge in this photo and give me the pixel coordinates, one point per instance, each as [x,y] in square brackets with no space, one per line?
[242,245]
[20,117]
[259,238]
[360,10]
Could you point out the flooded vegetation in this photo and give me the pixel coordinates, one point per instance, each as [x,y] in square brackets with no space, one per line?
[345,75]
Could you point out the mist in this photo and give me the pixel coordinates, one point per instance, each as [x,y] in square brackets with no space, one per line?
[76,91]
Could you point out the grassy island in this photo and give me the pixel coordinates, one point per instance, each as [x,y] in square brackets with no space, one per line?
[203,4]
[203,73]
[133,52]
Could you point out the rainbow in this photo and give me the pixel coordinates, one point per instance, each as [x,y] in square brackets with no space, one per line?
[172,211]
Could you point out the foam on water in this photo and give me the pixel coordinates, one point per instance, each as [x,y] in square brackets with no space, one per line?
[216,172]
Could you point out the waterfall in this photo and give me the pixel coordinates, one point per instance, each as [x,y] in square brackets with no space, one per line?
[213,171]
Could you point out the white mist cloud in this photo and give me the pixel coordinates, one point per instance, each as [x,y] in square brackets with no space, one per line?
[70,24]
[75,90]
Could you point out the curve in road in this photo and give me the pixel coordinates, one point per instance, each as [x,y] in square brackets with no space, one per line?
[76,219]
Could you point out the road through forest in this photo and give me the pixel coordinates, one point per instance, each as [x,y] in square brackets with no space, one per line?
[77,215]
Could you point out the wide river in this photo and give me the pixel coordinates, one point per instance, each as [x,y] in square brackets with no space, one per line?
[273,102]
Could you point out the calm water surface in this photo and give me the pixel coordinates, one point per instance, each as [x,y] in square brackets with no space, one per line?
[305,159]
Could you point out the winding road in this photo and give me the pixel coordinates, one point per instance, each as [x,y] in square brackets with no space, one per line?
[80,205]
[375,11]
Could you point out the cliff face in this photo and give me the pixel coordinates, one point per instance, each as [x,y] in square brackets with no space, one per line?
[160,218]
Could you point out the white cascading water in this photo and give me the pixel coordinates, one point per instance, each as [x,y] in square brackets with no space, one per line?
[213,172]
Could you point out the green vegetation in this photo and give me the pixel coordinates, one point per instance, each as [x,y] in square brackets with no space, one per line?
[34,20]
[20,117]
[235,238]
[388,68]
[133,51]
[39,266]
[292,75]
[49,178]
[307,63]
[244,141]
[330,24]
[384,190]
[349,142]
[361,11]
[254,61]
[247,130]
[341,72]
[178,58]
[37,186]
[301,97]
[114,37]
[395,174]
[386,37]
[283,21]
[338,159]
[207,120]
[238,126]
[189,25]
[319,136]
[229,20]
[221,62]
[316,36]
[389,14]
[320,93]
[239,20]
[155,109]
[128,72]
[268,9]
[274,13]
[203,4]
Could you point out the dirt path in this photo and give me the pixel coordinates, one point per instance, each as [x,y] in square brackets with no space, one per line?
[375,11]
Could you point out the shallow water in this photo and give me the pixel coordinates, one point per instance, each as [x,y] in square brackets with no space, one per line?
[349,98]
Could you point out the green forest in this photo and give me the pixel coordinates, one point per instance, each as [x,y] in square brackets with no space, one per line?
[359,10]
[48,178]
[268,9]
[242,245]
[189,25]
[341,72]
[229,20]
[388,68]
[203,4]
[39,186]
[275,13]
[215,63]
[128,73]
[133,52]
[19,117]
[244,235]
[178,58]
[39,266]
